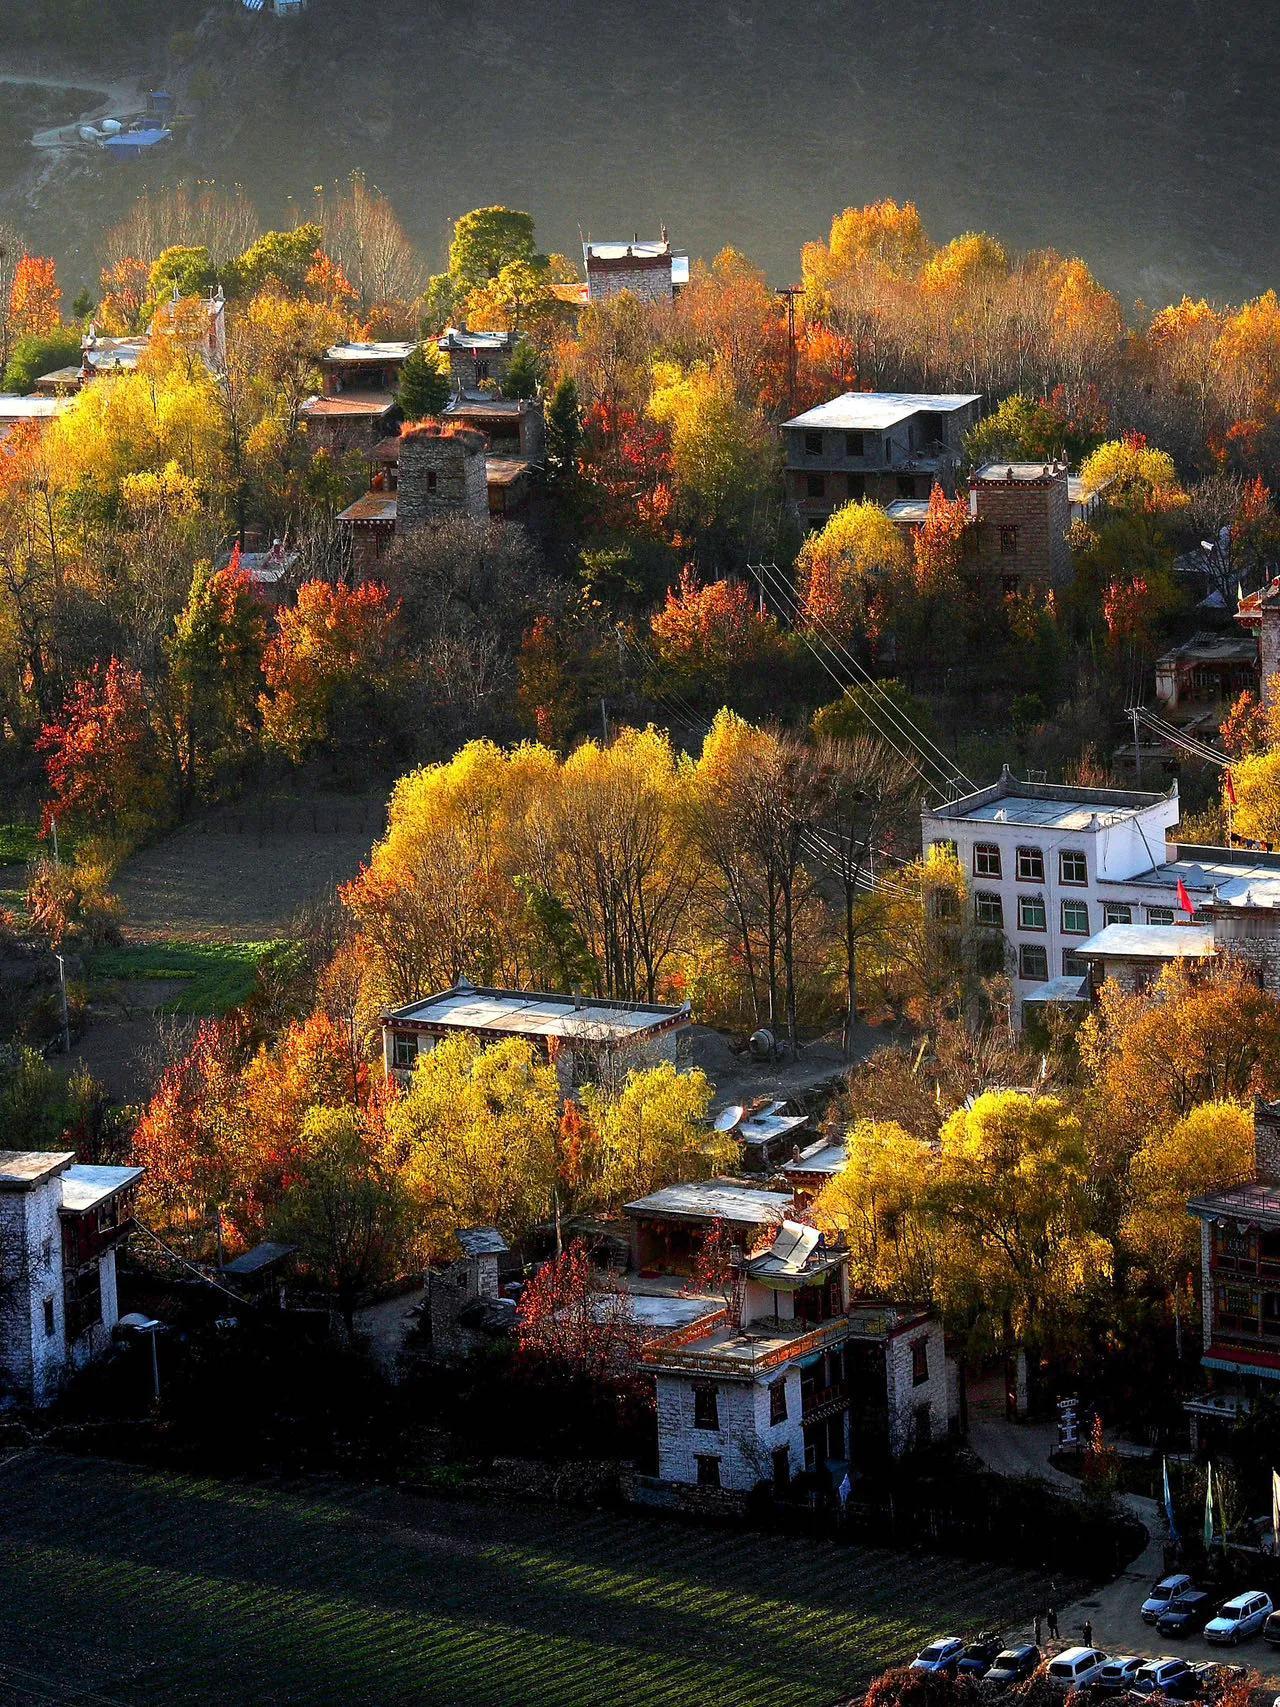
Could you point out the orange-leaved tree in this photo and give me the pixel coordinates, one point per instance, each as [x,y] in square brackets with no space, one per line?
[331,666]
[104,767]
[35,298]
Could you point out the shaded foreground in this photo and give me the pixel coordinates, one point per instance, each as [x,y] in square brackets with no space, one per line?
[124,1585]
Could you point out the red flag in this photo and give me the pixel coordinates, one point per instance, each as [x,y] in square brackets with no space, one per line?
[1184,900]
[1228,783]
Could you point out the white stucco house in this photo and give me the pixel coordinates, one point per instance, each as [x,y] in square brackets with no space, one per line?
[60,1224]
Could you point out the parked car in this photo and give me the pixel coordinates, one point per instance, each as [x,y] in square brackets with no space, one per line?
[1241,1617]
[1166,1590]
[1073,1668]
[942,1654]
[1116,1675]
[1271,1629]
[1013,1665]
[1169,1676]
[978,1657]
[1187,1615]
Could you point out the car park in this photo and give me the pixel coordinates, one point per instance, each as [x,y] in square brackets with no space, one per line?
[941,1655]
[1165,1591]
[979,1656]
[1213,1678]
[1116,1676]
[1188,1615]
[1239,1618]
[1169,1676]
[1013,1665]
[1073,1668]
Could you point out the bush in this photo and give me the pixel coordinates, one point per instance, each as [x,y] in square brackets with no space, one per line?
[33,357]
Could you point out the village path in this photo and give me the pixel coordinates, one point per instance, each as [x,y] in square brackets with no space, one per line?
[121,98]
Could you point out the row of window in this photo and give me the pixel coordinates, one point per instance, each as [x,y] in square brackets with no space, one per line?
[854,444]
[988,909]
[1033,963]
[1073,867]
[855,486]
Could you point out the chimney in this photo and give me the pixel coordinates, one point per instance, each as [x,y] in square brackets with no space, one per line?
[1266,1141]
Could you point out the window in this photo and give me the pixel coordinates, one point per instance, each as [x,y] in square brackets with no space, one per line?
[856,487]
[706,1406]
[1031,915]
[50,1321]
[404,1050]
[1117,913]
[986,860]
[944,905]
[778,1400]
[946,850]
[433,480]
[919,1362]
[1072,965]
[815,485]
[1008,541]
[1075,918]
[1072,866]
[1159,915]
[988,910]
[1030,865]
[813,444]
[708,1470]
[83,1301]
[482,369]
[1033,962]
[853,444]
[108,1216]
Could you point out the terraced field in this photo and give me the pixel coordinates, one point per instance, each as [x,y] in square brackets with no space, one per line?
[124,1586]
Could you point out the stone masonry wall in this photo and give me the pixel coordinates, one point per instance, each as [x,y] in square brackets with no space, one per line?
[1266,1141]
[745,1440]
[1269,652]
[905,1398]
[1041,512]
[460,487]
[650,283]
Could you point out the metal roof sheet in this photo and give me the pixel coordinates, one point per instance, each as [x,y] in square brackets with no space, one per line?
[820,1159]
[536,1013]
[856,410]
[85,1187]
[395,350]
[715,1200]
[1149,942]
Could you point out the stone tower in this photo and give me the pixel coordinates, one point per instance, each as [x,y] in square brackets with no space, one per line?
[442,474]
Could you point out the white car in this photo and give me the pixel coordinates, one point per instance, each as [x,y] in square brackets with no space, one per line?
[1242,1616]
[1074,1667]
[942,1654]
[1163,1595]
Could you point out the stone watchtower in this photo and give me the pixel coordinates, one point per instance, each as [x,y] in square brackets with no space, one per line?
[442,474]
[1023,514]
[1260,613]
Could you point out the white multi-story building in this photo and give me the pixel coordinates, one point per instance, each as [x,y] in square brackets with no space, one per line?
[60,1223]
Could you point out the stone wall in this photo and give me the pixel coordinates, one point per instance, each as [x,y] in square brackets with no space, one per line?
[745,1440]
[442,474]
[649,280]
[1269,653]
[31,1361]
[1266,1141]
[905,1398]
[1041,512]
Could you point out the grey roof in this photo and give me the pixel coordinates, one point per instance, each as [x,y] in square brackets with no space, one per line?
[13,408]
[395,350]
[461,338]
[22,1169]
[775,1120]
[260,1258]
[85,1187]
[481,1242]
[1149,942]
[1256,1202]
[908,509]
[1048,805]
[873,410]
[796,1257]
[1063,989]
[532,1013]
[822,1158]
[1019,471]
[715,1200]
[1226,876]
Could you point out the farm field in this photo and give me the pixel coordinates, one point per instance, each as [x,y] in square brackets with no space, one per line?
[142,1589]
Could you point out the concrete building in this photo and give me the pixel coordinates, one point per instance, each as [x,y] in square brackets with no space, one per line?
[1022,513]
[60,1224]
[35,411]
[363,368]
[588,1038]
[653,272]
[872,444]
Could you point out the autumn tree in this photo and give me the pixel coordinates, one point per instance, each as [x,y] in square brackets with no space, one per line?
[571,1320]
[186,1138]
[715,645]
[1133,474]
[723,456]
[330,668]
[105,773]
[849,571]
[474,1138]
[653,1131]
[1208,1150]
[1256,779]
[35,298]
[362,233]
[878,1205]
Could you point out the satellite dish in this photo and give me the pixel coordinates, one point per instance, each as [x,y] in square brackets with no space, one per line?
[729,1117]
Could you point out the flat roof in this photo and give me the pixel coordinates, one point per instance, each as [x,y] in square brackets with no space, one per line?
[534,1013]
[1061,989]
[774,1120]
[880,409]
[1227,877]
[85,1186]
[908,509]
[820,1158]
[350,403]
[395,350]
[763,1343]
[454,338]
[1025,472]
[22,1169]
[714,1200]
[658,1312]
[373,507]
[15,408]
[1252,1201]
[485,408]
[259,1259]
[1048,805]
[505,470]
[481,1242]
[1149,942]
[1205,648]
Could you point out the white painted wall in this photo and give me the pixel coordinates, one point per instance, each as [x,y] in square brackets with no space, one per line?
[32,1361]
[905,1397]
[745,1440]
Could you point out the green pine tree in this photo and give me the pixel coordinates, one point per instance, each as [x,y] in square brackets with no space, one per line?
[564,430]
[524,374]
[424,385]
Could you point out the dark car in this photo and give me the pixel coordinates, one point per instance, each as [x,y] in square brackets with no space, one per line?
[1213,1678]
[1013,1665]
[979,1657]
[1187,1615]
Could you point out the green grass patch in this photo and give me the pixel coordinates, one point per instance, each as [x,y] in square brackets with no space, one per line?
[218,975]
[19,842]
[332,1595]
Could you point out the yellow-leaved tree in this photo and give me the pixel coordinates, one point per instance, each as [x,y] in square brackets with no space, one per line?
[1133,474]
[1207,1150]
[723,453]
[652,1132]
[878,1205]
[474,1138]
[850,571]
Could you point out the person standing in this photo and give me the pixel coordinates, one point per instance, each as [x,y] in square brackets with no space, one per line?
[1087,1627]
[1053,1624]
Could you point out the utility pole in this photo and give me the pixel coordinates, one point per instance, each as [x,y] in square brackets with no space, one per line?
[1137,750]
[62,988]
[789,293]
